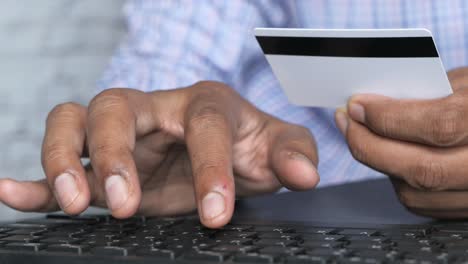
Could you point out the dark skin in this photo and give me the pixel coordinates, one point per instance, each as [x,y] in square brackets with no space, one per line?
[171,149]
[171,152]
[421,144]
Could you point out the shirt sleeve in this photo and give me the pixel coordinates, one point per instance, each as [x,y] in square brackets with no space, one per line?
[175,43]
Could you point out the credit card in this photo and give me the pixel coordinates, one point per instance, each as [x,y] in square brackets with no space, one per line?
[324,67]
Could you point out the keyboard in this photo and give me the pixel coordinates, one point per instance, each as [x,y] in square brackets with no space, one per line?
[103,239]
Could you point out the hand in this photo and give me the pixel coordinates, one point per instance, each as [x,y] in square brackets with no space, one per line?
[421,144]
[165,153]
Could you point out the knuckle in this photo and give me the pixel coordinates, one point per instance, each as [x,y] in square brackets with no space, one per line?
[206,117]
[303,131]
[429,174]
[445,129]
[108,101]
[213,88]
[109,97]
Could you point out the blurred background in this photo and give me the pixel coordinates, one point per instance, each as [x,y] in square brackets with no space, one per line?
[51,51]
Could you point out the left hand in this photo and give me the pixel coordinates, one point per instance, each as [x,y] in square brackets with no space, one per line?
[421,144]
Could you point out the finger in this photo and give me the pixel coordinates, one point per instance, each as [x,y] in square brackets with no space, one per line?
[436,122]
[158,198]
[28,196]
[294,158]
[421,166]
[209,127]
[441,201]
[458,78]
[151,149]
[113,118]
[61,152]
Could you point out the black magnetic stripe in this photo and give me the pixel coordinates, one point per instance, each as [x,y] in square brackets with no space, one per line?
[399,47]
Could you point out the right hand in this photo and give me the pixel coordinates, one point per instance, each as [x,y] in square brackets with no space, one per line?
[165,153]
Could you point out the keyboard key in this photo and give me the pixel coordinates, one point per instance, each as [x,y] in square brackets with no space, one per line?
[141,237]
[328,252]
[21,238]
[4,230]
[239,241]
[234,234]
[368,245]
[424,258]
[28,232]
[354,260]
[401,234]
[277,229]
[280,250]
[319,237]
[457,249]
[358,232]
[68,248]
[101,243]
[61,240]
[364,239]
[25,246]
[233,248]
[159,253]
[238,228]
[275,242]
[113,251]
[264,228]
[321,244]
[278,235]
[63,233]
[206,256]
[255,258]
[374,254]
[304,259]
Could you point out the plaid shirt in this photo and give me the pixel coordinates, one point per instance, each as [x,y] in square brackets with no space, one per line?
[176,43]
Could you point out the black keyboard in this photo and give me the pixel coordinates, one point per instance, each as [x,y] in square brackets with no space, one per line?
[103,239]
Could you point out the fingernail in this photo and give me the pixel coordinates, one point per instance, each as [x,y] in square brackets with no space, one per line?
[66,189]
[342,122]
[116,191]
[213,205]
[356,112]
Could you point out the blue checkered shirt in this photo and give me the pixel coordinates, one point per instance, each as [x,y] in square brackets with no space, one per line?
[177,43]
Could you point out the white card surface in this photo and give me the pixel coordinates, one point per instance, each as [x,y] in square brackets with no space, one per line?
[323,68]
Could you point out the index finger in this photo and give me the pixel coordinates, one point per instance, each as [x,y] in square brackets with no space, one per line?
[435,122]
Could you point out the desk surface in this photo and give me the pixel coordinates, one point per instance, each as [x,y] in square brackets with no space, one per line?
[371,201]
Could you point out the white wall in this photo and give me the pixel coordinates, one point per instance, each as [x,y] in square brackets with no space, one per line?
[51,51]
